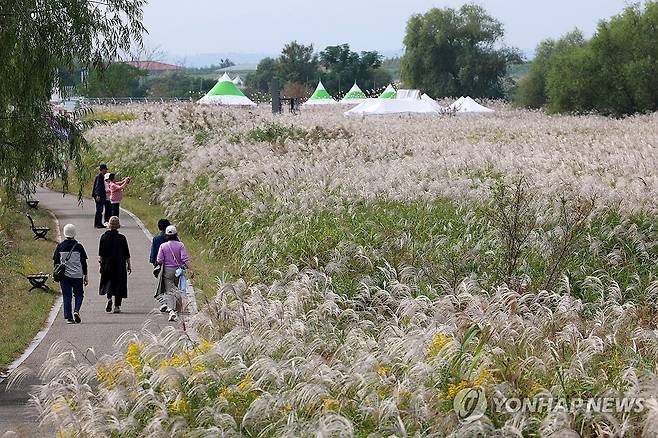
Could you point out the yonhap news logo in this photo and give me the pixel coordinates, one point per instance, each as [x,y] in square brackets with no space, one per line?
[470,404]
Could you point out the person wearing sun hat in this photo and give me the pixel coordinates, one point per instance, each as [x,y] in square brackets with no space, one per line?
[72,254]
[174,260]
[114,259]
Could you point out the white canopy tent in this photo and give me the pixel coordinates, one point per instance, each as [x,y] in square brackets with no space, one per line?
[320,97]
[395,106]
[468,105]
[432,102]
[354,96]
[226,93]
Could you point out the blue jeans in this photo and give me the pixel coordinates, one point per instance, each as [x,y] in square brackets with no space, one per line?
[71,287]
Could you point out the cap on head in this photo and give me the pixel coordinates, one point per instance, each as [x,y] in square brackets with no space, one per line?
[103,166]
[69,231]
[171,231]
[107,176]
[113,223]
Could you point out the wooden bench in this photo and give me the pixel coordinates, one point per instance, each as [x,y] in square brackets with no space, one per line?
[39,232]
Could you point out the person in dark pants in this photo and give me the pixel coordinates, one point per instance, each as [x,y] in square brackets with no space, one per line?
[72,254]
[100,195]
[114,259]
[108,204]
[155,246]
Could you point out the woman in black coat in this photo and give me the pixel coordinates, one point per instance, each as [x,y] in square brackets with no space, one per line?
[114,259]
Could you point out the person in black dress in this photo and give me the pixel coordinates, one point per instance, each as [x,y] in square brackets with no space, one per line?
[114,259]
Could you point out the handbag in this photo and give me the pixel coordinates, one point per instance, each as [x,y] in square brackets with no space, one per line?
[60,268]
[179,270]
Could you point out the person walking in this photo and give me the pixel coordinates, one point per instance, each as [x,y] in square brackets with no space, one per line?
[99,194]
[108,204]
[72,255]
[174,260]
[158,240]
[114,259]
[116,192]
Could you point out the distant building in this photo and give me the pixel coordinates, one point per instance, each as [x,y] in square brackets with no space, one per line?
[154,66]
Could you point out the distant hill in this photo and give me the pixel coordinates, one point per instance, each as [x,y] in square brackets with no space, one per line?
[201,60]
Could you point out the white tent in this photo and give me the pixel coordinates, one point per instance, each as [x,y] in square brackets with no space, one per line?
[238,81]
[393,106]
[226,93]
[468,105]
[354,96]
[320,97]
[432,102]
[407,94]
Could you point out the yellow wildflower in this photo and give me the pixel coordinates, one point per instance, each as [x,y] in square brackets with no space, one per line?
[483,377]
[203,347]
[287,408]
[179,406]
[438,342]
[246,384]
[225,392]
[453,389]
[330,404]
[108,374]
[382,371]
[133,355]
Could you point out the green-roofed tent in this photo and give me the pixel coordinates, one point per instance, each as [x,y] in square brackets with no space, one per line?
[354,96]
[226,93]
[320,96]
[388,93]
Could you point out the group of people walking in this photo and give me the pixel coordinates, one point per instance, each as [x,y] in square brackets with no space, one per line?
[168,256]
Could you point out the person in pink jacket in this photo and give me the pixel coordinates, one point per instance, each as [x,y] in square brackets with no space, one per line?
[174,260]
[116,192]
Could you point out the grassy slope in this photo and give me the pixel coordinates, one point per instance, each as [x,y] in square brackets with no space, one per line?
[24,312]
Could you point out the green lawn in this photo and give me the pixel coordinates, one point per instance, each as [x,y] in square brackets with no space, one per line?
[24,312]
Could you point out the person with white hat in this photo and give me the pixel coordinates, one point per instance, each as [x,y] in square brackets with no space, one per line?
[72,255]
[174,260]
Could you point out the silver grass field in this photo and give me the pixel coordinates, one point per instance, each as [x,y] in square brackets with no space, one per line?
[376,268]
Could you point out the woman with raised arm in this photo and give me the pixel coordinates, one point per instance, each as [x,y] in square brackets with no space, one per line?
[116,192]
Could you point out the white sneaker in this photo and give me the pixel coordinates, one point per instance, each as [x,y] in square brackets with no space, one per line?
[164,308]
[172,315]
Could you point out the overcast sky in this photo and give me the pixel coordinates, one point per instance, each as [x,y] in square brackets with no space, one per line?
[264,26]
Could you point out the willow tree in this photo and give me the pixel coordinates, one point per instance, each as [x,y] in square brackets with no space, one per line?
[37,38]
[452,52]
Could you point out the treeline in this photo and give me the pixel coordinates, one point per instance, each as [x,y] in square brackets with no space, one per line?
[299,68]
[613,73]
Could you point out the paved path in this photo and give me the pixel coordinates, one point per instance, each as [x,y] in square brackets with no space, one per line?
[98,330]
